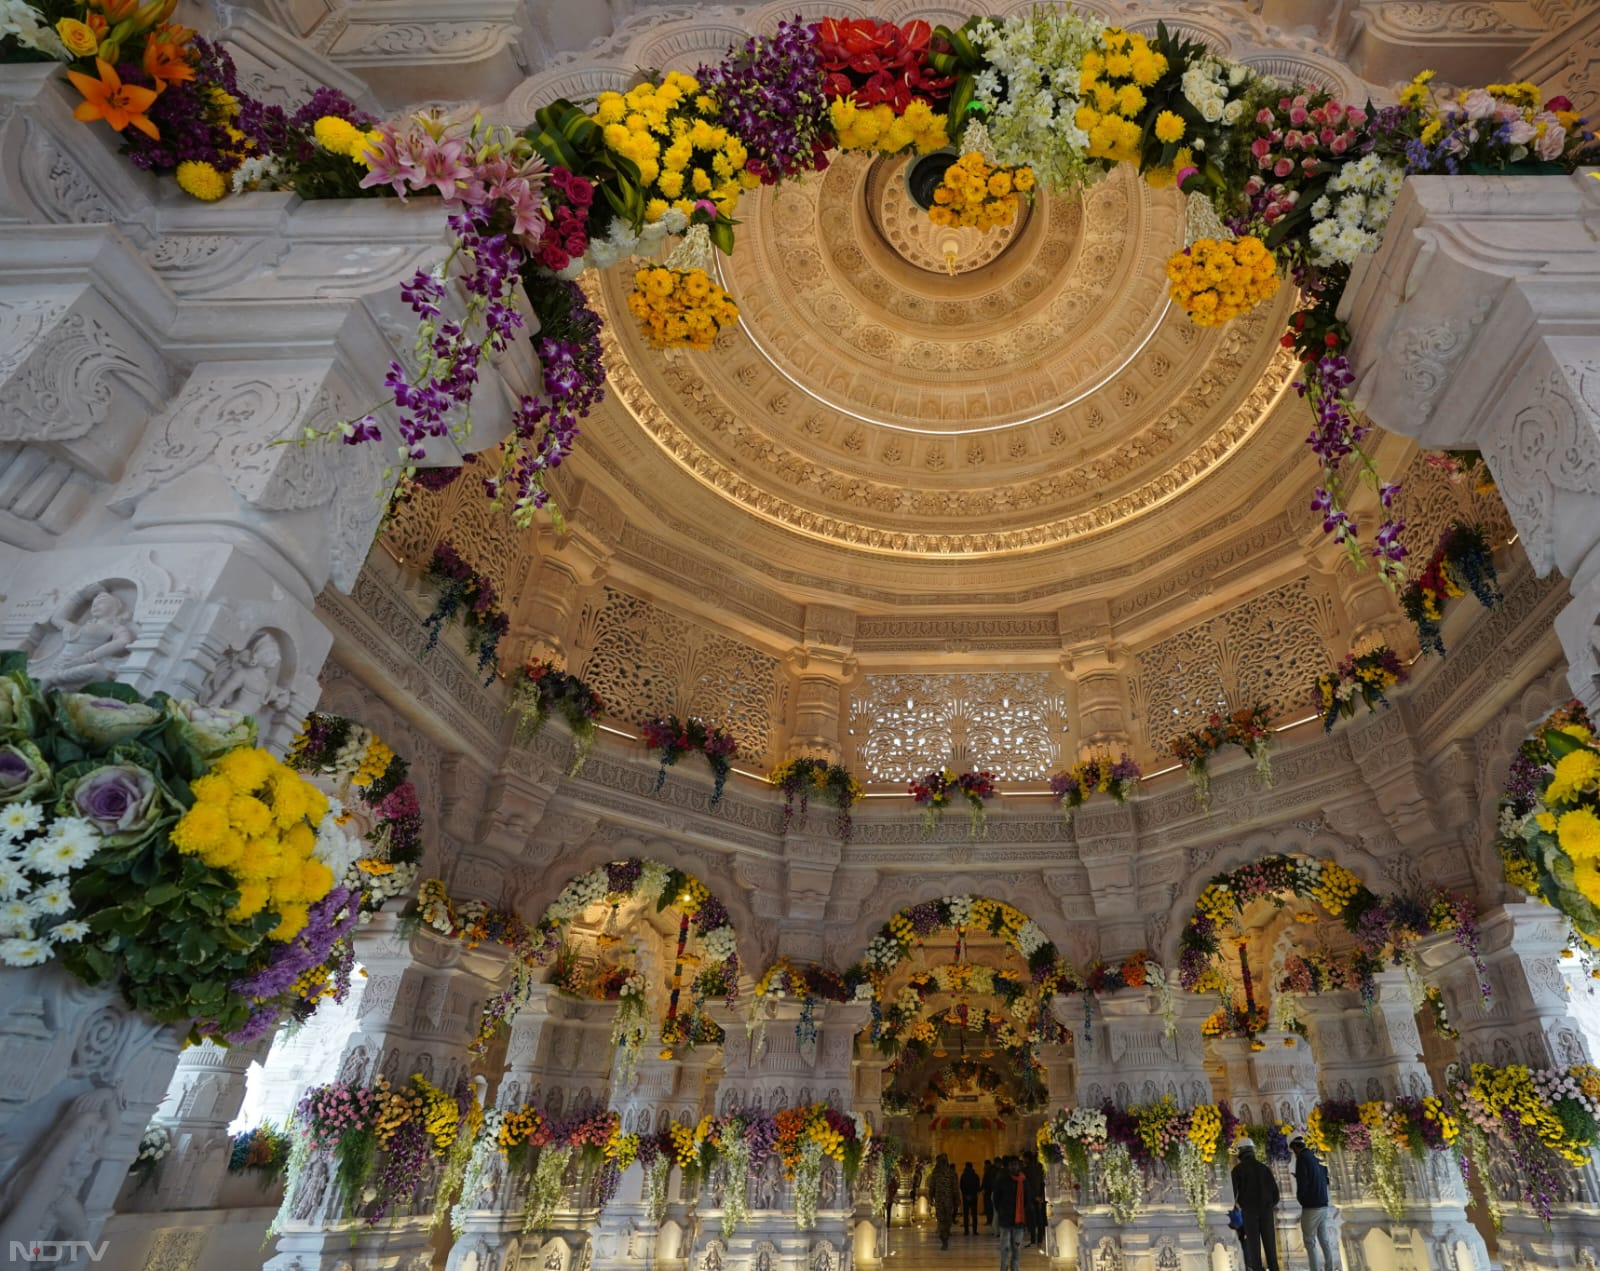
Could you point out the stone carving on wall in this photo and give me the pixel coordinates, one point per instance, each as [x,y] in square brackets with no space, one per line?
[246,680]
[92,647]
[1268,650]
[645,661]
[907,725]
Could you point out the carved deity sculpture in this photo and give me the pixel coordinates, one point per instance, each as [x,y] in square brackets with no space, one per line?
[246,680]
[91,649]
[47,1196]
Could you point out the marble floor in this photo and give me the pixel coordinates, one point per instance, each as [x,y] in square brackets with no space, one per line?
[916,1248]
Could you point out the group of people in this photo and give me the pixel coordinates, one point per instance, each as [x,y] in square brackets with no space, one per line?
[1009,1194]
[1256,1196]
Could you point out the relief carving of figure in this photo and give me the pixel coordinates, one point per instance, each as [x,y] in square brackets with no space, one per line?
[47,1196]
[246,680]
[91,649]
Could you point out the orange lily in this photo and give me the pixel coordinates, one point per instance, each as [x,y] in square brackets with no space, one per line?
[116,10]
[166,61]
[110,99]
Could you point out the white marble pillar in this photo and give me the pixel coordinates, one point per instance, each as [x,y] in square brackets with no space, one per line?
[1475,327]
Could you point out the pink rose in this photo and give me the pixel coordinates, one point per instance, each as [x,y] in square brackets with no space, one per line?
[1264,116]
[1356,117]
[1327,136]
[1550,143]
[1519,132]
[1283,167]
[1558,103]
[1478,104]
[1254,186]
[1298,115]
[1260,148]
[1341,143]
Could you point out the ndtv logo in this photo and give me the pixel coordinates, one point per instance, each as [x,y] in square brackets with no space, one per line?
[56,1250]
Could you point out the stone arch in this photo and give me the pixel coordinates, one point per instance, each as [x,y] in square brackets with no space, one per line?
[751,937]
[896,893]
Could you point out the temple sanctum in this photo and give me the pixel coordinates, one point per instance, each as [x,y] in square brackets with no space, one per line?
[796,637]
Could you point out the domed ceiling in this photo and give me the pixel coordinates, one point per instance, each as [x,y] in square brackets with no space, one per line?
[898,395]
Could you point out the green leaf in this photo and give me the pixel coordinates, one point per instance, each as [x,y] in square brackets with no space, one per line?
[110,688]
[1560,744]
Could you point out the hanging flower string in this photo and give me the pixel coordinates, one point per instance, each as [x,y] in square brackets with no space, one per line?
[673,738]
[1462,562]
[799,779]
[541,689]
[1117,777]
[1364,676]
[462,589]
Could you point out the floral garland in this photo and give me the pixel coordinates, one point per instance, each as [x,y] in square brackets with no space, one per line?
[1549,824]
[1101,775]
[366,772]
[1367,676]
[1248,728]
[263,1150]
[1384,928]
[114,807]
[1462,562]
[935,791]
[809,983]
[462,589]
[629,1027]
[797,778]
[1416,1125]
[540,689]
[908,928]
[1543,1118]
[1302,182]
[674,738]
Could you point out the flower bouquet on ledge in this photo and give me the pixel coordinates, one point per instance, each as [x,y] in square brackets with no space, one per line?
[674,739]
[1462,562]
[1367,676]
[1251,730]
[1101,775]
[935,791]
[800,778]
[148,845]
[462,589]
[1194,750]
[540,688]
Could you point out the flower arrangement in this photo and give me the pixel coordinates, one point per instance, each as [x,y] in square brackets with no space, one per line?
[629,1027]
[977,194]
[462,589]
[906,929]
[155,1145]
[1365,675]
[675,738]
[798,778]
[1549,825]
[771,95]
[1384,929]
[935,791]
[541,689]
[367,773]
[1101,775]
[114,807]
[1462,562]
[1194,749]
[263,1150]
[881,128]
[1216,280]
[872,63]
[680,308]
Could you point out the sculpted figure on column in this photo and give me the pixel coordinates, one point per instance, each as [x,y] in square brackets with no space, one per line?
[91,648]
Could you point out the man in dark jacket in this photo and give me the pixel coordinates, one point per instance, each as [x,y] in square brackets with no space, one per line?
[991,1171]
[944,1194]
[1311,1190]
[1034,1169]
[1011,1212]
[970,1186]
[1255,1191]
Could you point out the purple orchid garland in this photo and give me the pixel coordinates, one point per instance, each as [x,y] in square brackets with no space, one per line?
[770,95]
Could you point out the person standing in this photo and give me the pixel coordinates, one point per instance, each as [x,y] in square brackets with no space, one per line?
[892,1192]
[1255,1191]
[971,1184]
[1033,1169]
[1011,1211]
[1311,1190]
[986,1191]
[943,1193]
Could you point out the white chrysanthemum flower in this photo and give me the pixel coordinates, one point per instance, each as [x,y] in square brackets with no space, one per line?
[652,881]
[17,819]
[24,952]
[12,879]
[69,932]
[58,854]
[54,898]
[349,756]
[16,918]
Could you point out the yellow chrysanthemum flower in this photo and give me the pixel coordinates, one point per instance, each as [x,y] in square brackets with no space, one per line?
[201,181]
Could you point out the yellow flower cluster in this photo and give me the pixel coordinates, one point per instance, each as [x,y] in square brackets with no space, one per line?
[1510,1091]
[1316,1137]
[686,1143]
[374,763]
[255,819]
[340,136]
[1216,280]
[200,180]
[1205,1130]
[680,308]
[441,1117]
[879,128]
[975,194]
[829,1139]
[1111,82]
[1216,903]
[1449,1128]
[395,1108]
[1335,887]
[519,1126]
[622,1149]
[668,131]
